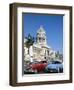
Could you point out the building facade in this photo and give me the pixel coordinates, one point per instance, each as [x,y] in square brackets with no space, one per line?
[40,50]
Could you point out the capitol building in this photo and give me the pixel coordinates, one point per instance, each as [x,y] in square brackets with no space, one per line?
[40,50]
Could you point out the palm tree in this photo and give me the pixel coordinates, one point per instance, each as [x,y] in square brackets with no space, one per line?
[29,42]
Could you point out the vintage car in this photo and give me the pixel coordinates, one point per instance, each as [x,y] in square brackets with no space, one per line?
[38,66]
[28,70]
[54,67]
[35,67]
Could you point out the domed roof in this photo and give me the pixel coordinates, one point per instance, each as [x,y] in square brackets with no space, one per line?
[41,30]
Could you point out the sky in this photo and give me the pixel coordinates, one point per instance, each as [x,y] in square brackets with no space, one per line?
[53,25]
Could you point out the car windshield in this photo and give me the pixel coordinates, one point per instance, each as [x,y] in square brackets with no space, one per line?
[56,62]
[43,61]
[35,62]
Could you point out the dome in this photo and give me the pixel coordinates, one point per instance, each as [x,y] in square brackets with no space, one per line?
[41,30]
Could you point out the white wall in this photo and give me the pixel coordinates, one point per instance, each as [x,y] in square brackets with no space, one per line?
[4,46]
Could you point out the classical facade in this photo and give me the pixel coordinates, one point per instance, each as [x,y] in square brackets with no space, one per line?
[40,50]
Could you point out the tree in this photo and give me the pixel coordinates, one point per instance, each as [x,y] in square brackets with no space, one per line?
[29,42]
[57,54]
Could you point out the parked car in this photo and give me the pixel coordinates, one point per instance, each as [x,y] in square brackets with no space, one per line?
[28,69]
[54,67]
[38,66]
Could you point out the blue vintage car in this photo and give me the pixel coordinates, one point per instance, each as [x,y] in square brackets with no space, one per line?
[54,67]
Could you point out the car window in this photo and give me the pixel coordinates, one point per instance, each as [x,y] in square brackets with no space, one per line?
[35,62]
[43,61]
[56,62]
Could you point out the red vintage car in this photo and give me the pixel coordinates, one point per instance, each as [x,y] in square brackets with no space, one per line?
[38,66]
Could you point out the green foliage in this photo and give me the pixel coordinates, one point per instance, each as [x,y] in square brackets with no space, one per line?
[58,55]
[30,41]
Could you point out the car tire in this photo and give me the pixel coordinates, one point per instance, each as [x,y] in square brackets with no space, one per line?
[61,70]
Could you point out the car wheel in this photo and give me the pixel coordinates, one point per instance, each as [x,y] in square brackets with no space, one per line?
[61,70]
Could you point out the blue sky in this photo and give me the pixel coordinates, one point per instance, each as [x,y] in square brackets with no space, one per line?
[53,25]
